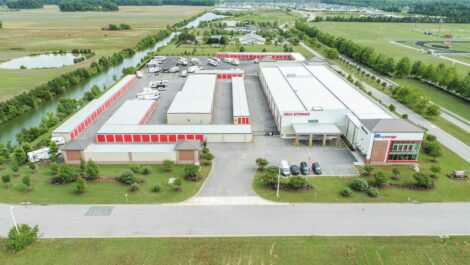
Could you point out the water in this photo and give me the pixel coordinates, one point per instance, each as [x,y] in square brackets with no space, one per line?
[9,129]
[49,60]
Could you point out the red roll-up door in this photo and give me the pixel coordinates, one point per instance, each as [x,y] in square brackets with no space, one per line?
[172,138]
[190,136]
[163,138]
[199,137]
[118,138]
[127,138]
[181,137]
[145,138]
[110,138]
[248,120]
[154,138]
[100,138]
[136,138]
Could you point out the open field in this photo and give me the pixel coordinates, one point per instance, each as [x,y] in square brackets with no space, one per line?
[245,250]
[48,29]
[380,35]
[99,192]
[327,189]
[461,57]
[267,16]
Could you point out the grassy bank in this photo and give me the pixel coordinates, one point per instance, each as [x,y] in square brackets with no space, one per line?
[245,250]
[327,189]
[99,192]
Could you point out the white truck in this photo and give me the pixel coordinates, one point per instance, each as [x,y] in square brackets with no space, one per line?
[284,167]
[39,155]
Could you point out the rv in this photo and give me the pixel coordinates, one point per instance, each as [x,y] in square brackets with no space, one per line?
[154,94]
[38,155]
[155,69]
[158,83]
[58,140]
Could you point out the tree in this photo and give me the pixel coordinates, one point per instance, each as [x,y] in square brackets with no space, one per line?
[21,238]
[6,179]
[395,173]
[432,111]
[242,49]
[168,165]
[331,53]
[65,173]
[20,156]
[380,179]
[53,151]
[127,177]
[146,170]
[128,70]
[32,166]
[91,170]
[27,182]
[403,67]
[359,184]
[346,192]
[82,166]
[432,148]
[297,183]
[81,185]
[178,183]
[135,187]
[261,163]
[435,169]
[392,107]
[368,170]
[423,181]
[190,171]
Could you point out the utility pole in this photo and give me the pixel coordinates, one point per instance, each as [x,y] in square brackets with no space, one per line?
[278,181]
[13,218]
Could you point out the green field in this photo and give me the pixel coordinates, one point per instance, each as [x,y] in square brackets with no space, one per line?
[48,29]
[380,35]
[245,250]
[463,58]
[267,16]
[327,189]
[99,192]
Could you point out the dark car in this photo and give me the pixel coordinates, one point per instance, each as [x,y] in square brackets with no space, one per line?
[304,168]
[295,170]
[165,70]
[316,168]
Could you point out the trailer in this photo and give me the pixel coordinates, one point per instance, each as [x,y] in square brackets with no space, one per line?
[39,155]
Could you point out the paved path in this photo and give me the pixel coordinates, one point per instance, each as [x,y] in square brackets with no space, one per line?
[65,221]
[446,139]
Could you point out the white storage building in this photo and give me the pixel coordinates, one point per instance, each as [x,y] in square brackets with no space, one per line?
[133,112]
[193,104]
[241,112]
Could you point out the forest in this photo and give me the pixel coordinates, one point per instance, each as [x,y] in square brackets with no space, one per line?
[98,5]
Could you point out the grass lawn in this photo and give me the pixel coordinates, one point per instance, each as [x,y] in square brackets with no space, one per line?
[380,35]
[244,250]
[99,192]
[267,16]
[205,49]
[463,58]
[42,30]
[327,189]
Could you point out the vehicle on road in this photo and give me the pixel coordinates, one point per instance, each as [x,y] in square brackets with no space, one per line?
[182,61]
[228,60]
[165,70]
[294,169]
[284,167]
[304,168]
[215,59]
[184,73]
[235,62]
[316,168]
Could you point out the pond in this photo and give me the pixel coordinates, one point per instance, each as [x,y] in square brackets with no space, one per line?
[49,60]
[206,17]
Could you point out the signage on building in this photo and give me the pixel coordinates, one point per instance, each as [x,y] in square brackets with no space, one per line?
[296,113]
[379,136]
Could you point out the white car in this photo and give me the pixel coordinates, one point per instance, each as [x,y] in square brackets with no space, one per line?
[256,60]
[155,69]
[192,69]
[235,62]
[175,69]
[212,62]
[228,60]
[216,59]
[285,169]
[184,73]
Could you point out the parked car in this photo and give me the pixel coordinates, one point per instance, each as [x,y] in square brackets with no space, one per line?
[192,69]
[304,168]
[294,169]
[316,168]
[165,70]
[139,74]
[212,62]
[227,60]
[215,59]
[285,170]
[175,69]
[235,62]
[256,60]
[184,73]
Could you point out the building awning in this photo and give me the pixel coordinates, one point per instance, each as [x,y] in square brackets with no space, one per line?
[316,128]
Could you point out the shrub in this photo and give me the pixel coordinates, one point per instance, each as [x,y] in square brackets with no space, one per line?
[65,174]
[368,170]
[27,182]
[14,168]
[32,166]
[6,179]
[435,169]
[81,185]
[25,236]
[359,184]
[296,183]
[380,179]
[168,165]
[82,167]
[54,167]
[404,116]
[392,108]
[423,181]
[205,162]
[190,172]
[373,192]
[135,168]
[261,163]
[346,192]
[127,177]
[156,188]
[269,179]
[178,183]
[91,170]
[395,173]
[135,187]
[146,170]
[207,156]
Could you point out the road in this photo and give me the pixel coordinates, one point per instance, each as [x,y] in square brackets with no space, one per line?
[66,221]
[446,139]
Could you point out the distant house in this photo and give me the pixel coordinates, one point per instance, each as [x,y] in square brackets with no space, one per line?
[230,23]
[251,38]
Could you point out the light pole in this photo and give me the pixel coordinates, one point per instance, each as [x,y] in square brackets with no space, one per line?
[127,200]
[278,181]
[13,218]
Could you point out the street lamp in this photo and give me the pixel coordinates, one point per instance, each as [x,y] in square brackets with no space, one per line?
[13,218]
[278,181]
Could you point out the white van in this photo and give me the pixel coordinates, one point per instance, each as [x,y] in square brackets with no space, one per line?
[193,69]
[235,62]
[175,69]
[184,73]
[285,170]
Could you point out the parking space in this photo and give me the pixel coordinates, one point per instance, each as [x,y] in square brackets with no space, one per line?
[262,120]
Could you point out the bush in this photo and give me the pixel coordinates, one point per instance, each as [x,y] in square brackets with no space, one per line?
[135,168]
[65,174]
[297,183]
[146,170]
[25,236]
[368,170]
[6,179]
[168,165]
[269,178]
[178,183]
[346,192]
[190,172]
[156,188]
[373,192]
[127,177]
[423,181]
[261,163]
[27,182]
[380,179]
[81,185]
[54,167]
[435,169]
[91,170]
[135,187]
[395,173]
[14,168]
[32,166]
[359,184]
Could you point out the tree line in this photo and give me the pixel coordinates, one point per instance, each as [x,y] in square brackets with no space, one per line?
[87,5]
[23,4]
[441,76]
[27,101]
[382,19]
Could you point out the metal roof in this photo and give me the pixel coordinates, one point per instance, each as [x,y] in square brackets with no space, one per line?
[240,103]
[175,129]
[390,125]
[315,128]
[221,71]
[188,145]
[295,55]
[131,112]
[353,99]
[196,96]
[113,148]
[283,96]
[70,124]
